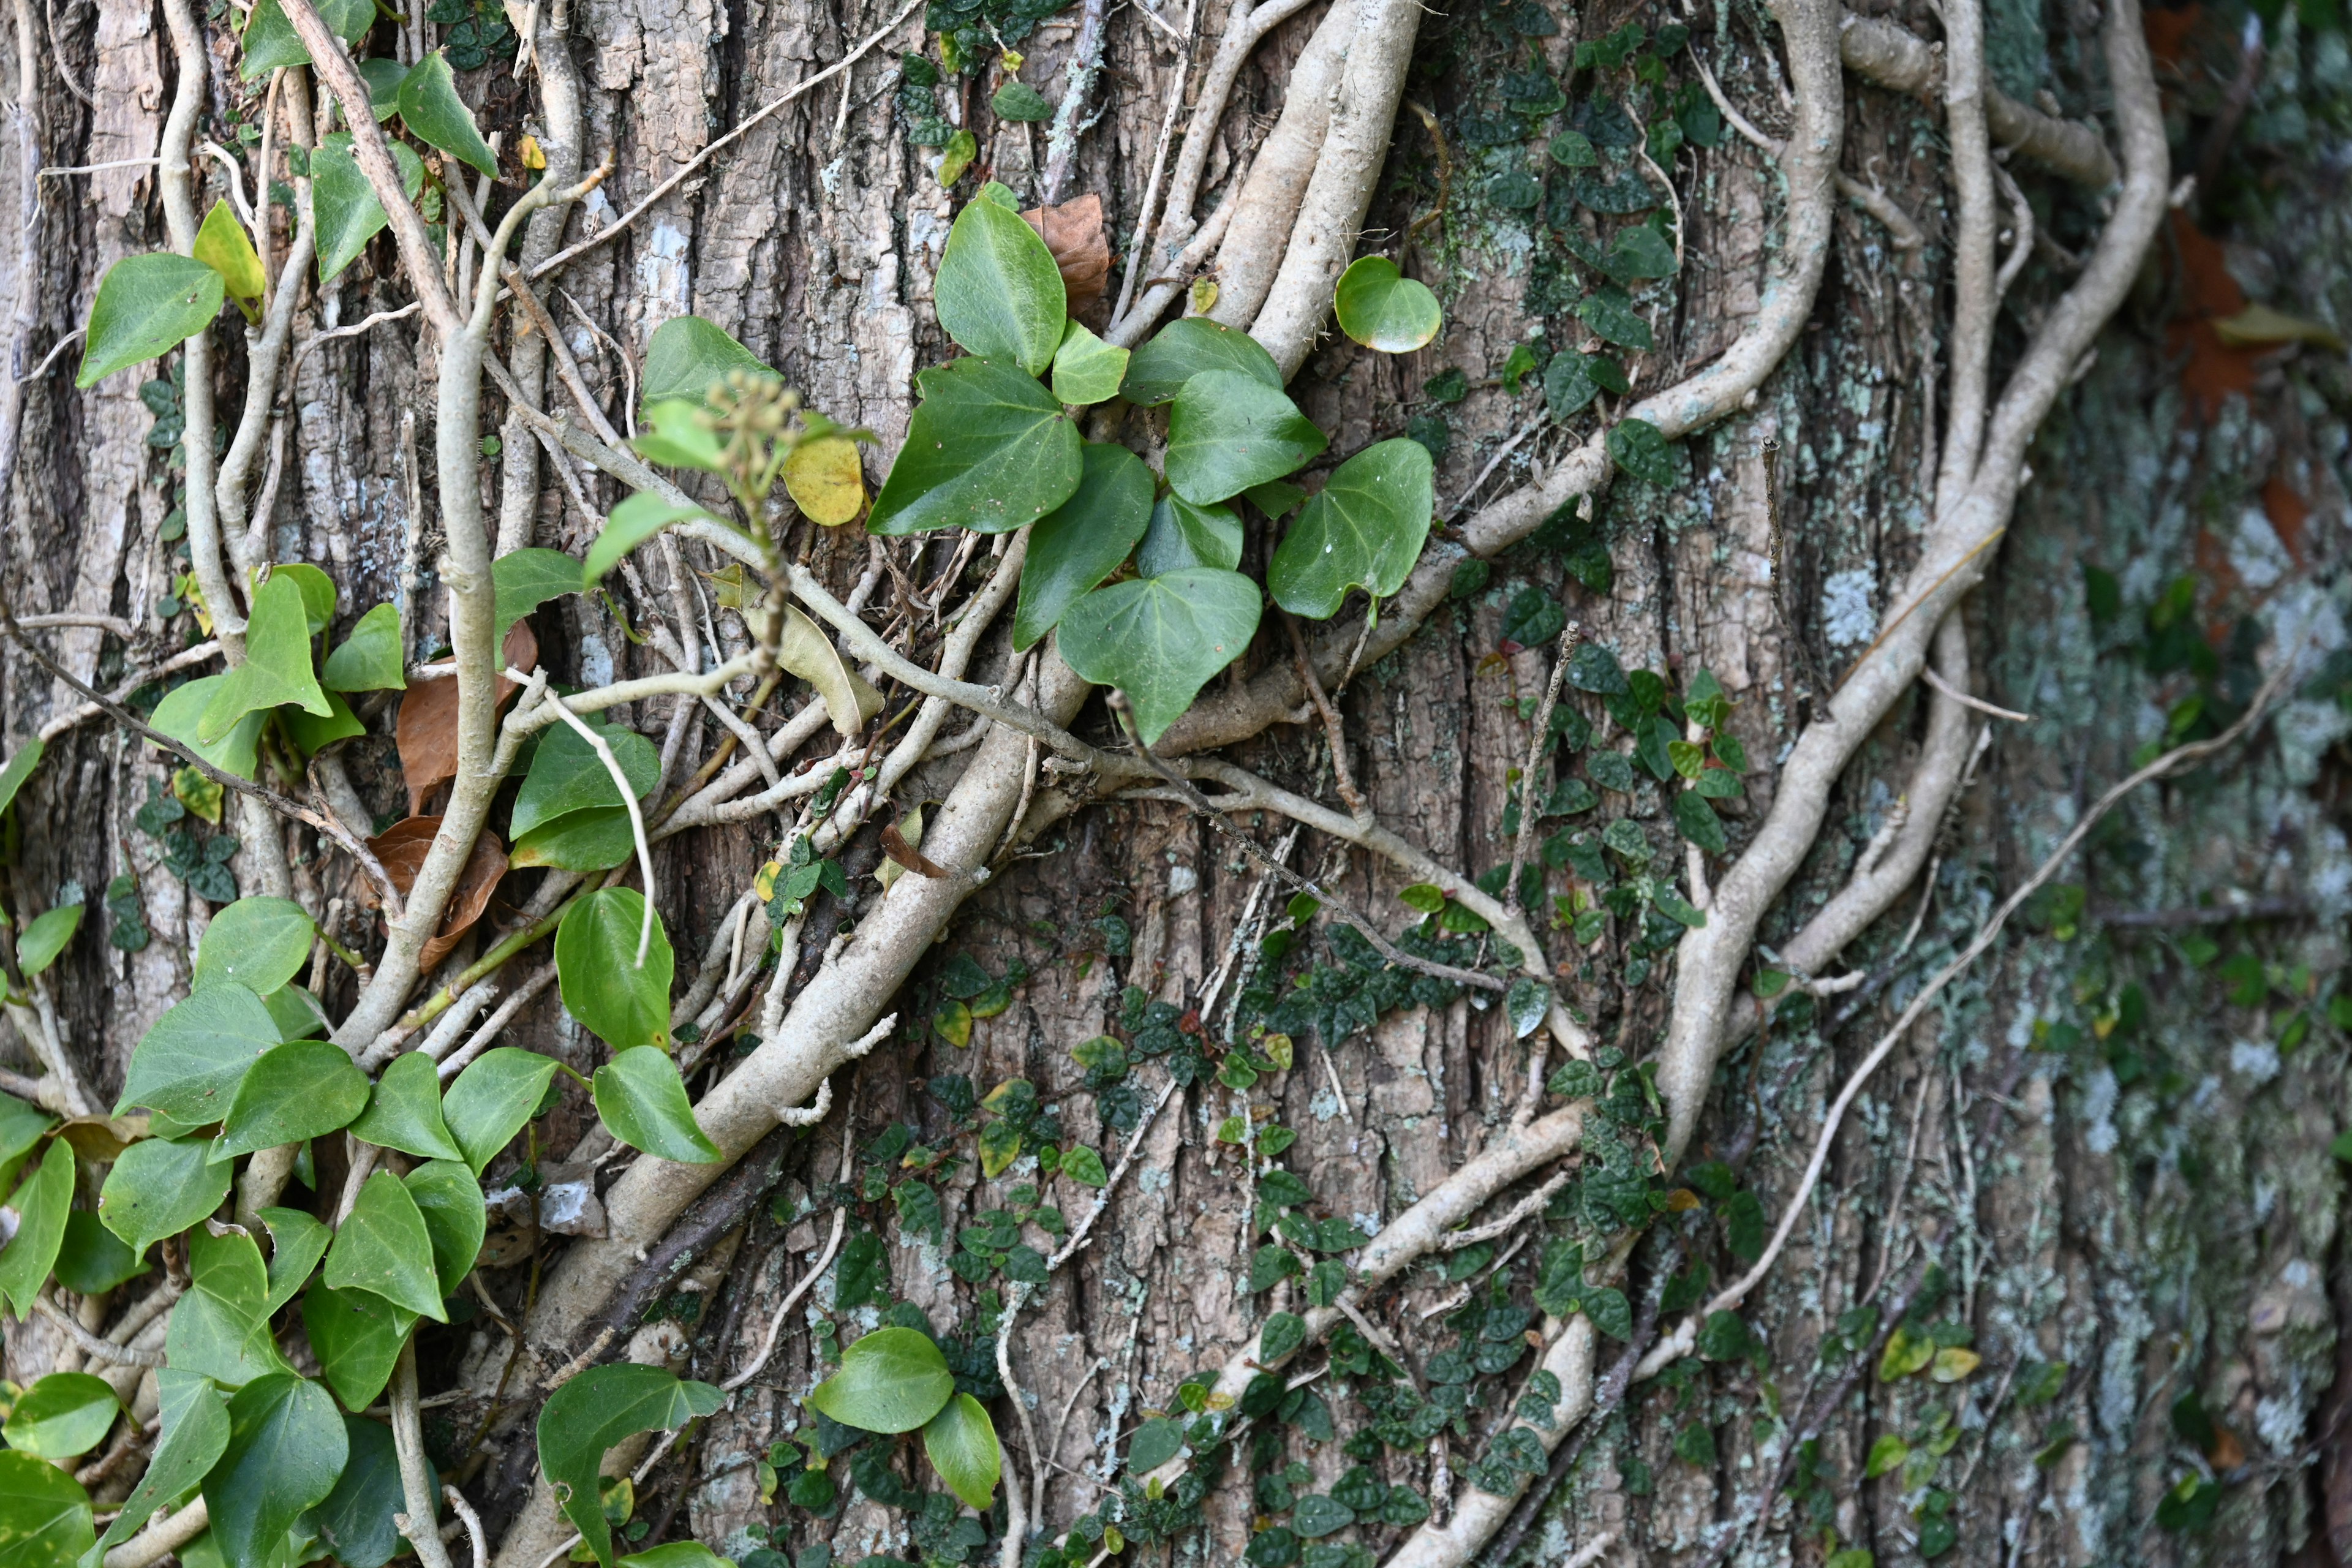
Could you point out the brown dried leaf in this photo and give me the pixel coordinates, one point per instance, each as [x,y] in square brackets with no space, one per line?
[894,844]
[1074,233]
[403,848]
[100,1140]
[428,720]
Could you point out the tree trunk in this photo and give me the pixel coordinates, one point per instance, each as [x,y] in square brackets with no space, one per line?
[2096,1174]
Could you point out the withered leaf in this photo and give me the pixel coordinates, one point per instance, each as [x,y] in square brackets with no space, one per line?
[894,844]
[403,848]
[428,720]
[1074,233]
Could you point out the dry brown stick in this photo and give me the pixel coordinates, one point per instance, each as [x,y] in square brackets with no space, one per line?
[1332,730]
[1570,636]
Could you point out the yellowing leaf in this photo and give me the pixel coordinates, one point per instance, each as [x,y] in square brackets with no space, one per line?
[1954,1365]
[808,653]
[957,156]
[1204,295]
[764,884]
[222,244]
[198,794]
[825,479]
[533,158]
[2258,325]
[953,1022]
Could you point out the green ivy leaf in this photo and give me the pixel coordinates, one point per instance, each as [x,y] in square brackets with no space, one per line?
[161,1186]
[20,768]
[1278,498]
[259,944]
[961,1443]
[988,449]
[276,668]
[1364,531]
[146,307]
[1284,1332]
[286,1450]
[526,579]
[221,1327]
[677,432]
[1183,536]
[596,968]
[1381,308]
[1086,369]
[1609,312]
[1229,431]
[404,1111]
[41,1201]
[1640,251]
[490,1101]
[92,1258]
[62,1416]
[304,1088]
[45,1516]
[1640,448]
[382,1248]
[643,1101]
[297,1242]
[1183,348]
[1085,1166]
[356,1518]
[1160,640]
[342,204]
[223,245]
[188,1065]
[430,107]
[596,839]
[688,356]
[1020,103]
[369,658]
[194,1434]
[295,1013]
[1083,541]
[357,1337]
[46,936]
[312,735]
[567,776]
[1698,822]
[317,591]
[999,291]
[270,42]
[892,1380]
[450,1200]
[587,1415]
[634,521]
[183,710]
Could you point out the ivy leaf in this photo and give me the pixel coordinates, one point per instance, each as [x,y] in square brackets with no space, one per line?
[286,1450]
[688,356]
[270,42]
[221,1327]
[1086,369]
[223,245]
[526,579]
[450,1200]
[988,449]
[1381,308]
[430,107]
[1609,312]
[20,768]
[1698,822]
[1283,1333]
[498,1092]
[183,710]
[596,839]
[45,937]
[369,658]
[47,1514]
[1229,431]
[597,970]
[196,1432]
[1639,447]
[1085,1166]
[276,668]
[892,1380]
[567,776]
[634,521]
[146,307]
[259,944]
[999,293]
[356,1518]
[1363,530]
[1640,251]
[41,1202]
[161,1186]
[1020,102]
[1083,541]
[1183,348]
[384,1248]
[61,1415]
[92,1258]
[304,1088]
[961,1443]
[804,650]
[677,432]
[297,1242]
[825,476]
[357,1337]
[1160,640]
[587,1415]
[643,1101]
[1184,536]
[342,204]
[404,1111]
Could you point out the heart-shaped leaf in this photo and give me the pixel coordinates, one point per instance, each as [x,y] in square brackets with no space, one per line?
[301,1089]
[92,1258]
[188,1065]
[356,1518]
[146,307]
[1082,540]
[999,293]
[357,1337]
[41,1201]
[567,776]
[61,1415]
[221,1327]
[1640,448]
[1381,308]
[678,432]
[297,1242]
[46,936]
[892,1380]
[592,1412]
[47,1514]
[404,1111]
[317,591]
[643,1101]
[1183,348]
[342,203]
[1183,536]
[1086,369]
[450,1199]
[259,944]
[961,1443]
[382,1248]
[621,1001]
[184,708]
[276,668]
[196,1431]
[688,356]
[430,107]
[1364,529]
[988,449]
[1160,640]
[312,735]
[1609,312]
[526,579]
[161,1186]
[270,43]
[498,1092]
[286,1450]
[1229,431]
[369,658]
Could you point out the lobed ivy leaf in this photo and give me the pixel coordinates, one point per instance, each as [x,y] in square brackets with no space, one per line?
[988,449]
[998,291]
[161,1186]
[430,107]
[384,1248]
[1228,431]
[621,1001]
[499,1091]
[1086,369]
[304,1088]
[892,1380]
[343,206]
[688,356]
[1160,640]
[1083,541]
[260,943]
[146,307]
[286,1451]
[1184,536]
[1183,348]
[404,1110]
[1363,529]
[276,668]
[589,1414]
[643,1101]
[1381,308]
